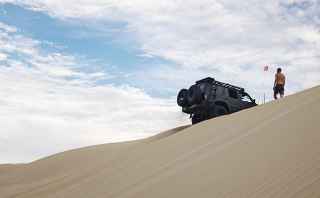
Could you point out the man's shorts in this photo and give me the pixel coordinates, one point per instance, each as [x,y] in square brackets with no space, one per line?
[279,89]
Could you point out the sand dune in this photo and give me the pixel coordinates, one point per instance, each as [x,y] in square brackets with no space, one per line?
[267,151]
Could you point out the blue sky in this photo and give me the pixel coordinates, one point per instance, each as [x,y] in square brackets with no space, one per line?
[75,38]
[110,51]
[77,73]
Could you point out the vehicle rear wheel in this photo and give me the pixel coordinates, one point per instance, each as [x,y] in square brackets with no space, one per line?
[196,119]
[219,111]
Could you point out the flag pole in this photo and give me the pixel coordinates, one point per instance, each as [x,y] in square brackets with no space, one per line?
[265,69]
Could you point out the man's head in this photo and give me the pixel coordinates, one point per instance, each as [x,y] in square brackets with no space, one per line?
[279,70]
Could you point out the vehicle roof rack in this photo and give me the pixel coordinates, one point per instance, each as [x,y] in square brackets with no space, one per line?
[206,80]
[218,83]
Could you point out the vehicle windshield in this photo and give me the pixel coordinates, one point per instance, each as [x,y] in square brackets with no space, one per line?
[246,98]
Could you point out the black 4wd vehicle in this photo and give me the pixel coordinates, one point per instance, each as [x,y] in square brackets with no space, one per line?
[209,98]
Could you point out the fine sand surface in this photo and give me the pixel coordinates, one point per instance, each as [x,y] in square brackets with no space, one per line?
[267,151]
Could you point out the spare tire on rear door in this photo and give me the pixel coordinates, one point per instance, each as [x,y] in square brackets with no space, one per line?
[194,95]
[182,98]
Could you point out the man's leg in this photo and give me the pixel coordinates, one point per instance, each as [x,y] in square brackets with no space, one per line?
[282,92]
[275,92]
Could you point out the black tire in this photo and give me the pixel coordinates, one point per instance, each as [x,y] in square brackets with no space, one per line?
[196,119]
[219,110]
[194,95]
[182,98]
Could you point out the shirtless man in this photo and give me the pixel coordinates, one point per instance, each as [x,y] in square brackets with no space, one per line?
[279,83]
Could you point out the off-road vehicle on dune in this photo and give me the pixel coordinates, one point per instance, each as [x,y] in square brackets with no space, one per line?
[209,98]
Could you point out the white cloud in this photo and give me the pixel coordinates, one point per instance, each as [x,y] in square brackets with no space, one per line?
[7,28]
[232,40]
[3,57]
[47,105]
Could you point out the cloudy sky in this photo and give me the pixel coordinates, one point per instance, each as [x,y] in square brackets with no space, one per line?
[81,72]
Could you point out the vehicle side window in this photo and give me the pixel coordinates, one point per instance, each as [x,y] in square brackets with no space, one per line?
[245,98]
[233,93]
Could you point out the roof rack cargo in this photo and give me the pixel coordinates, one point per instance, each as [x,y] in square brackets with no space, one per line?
[218,83]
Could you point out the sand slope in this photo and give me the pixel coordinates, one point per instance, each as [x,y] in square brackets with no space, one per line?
[267,151]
